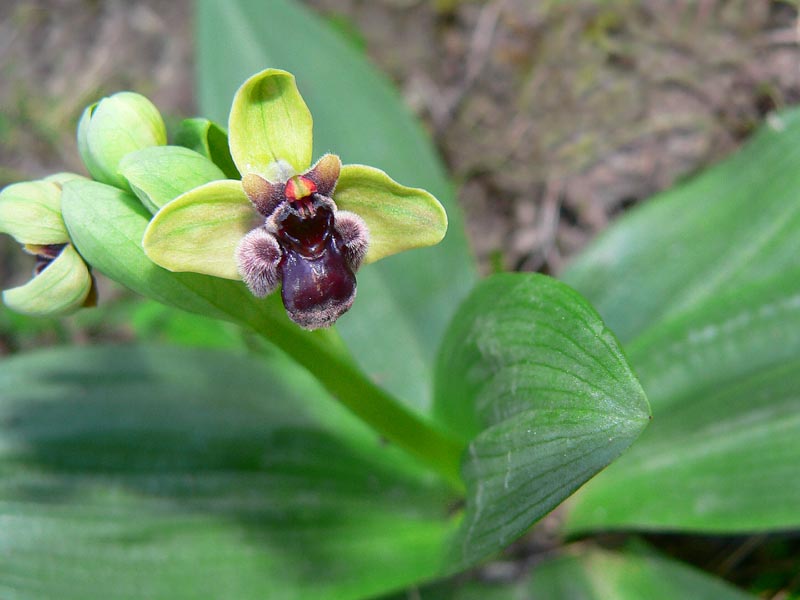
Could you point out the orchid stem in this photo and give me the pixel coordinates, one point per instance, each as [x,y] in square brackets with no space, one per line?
[324,354]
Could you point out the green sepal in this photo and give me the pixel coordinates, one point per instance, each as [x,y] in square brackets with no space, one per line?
[114,127]
[210,140]
[60,289]
[269,123]
[107,225]
[31,213]
[199,231]
[398,218]
[160,174]
[63,177]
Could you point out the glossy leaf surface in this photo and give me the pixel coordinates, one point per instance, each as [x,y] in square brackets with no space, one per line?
[147,472]
[704,282]
[532,377]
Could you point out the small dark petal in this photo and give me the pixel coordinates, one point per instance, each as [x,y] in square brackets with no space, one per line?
[355,237]
[325,174]
[264,195]
[258,255]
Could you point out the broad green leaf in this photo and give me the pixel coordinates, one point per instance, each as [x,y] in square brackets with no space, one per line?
[210,140]
[408,298]
[530,374]
[60,289]
[30,212]
[399,218]
[147,472]
[722,451]
[199,231]
[596,574]
[162,173]
[704,282]
[269,122]
[736,223]
[740,333]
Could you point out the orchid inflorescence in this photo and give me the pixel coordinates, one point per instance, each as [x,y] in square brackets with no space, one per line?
[247,205]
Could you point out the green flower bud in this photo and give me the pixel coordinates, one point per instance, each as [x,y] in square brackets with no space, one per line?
[31,213]
[114,127]
[62,286]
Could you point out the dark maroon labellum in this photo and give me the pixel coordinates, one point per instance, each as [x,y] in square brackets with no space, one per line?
[318,284]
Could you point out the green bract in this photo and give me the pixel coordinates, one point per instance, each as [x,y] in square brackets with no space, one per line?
[114,127]
[270,135]
[31,213]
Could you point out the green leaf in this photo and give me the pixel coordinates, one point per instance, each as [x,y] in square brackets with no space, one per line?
[162,173]
[597,575]
[532,376]
[704,282]
[358,115]
[269,123]
[210,140]
[199,231]
[725,383]
[399,218]
[31,213]
[60,289]
[143,473]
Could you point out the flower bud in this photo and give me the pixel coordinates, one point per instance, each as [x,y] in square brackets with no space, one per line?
[114,127]
[31,213]
[63,286]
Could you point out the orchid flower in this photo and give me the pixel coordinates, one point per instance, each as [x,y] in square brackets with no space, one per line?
[306,229]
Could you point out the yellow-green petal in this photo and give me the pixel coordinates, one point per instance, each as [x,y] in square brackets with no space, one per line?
[160,174]
[198,232]
[398,217]
[31,213]
[269,123]
[114,127]
[60,289]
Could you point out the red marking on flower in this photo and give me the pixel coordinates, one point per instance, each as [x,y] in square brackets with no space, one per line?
[299,187]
